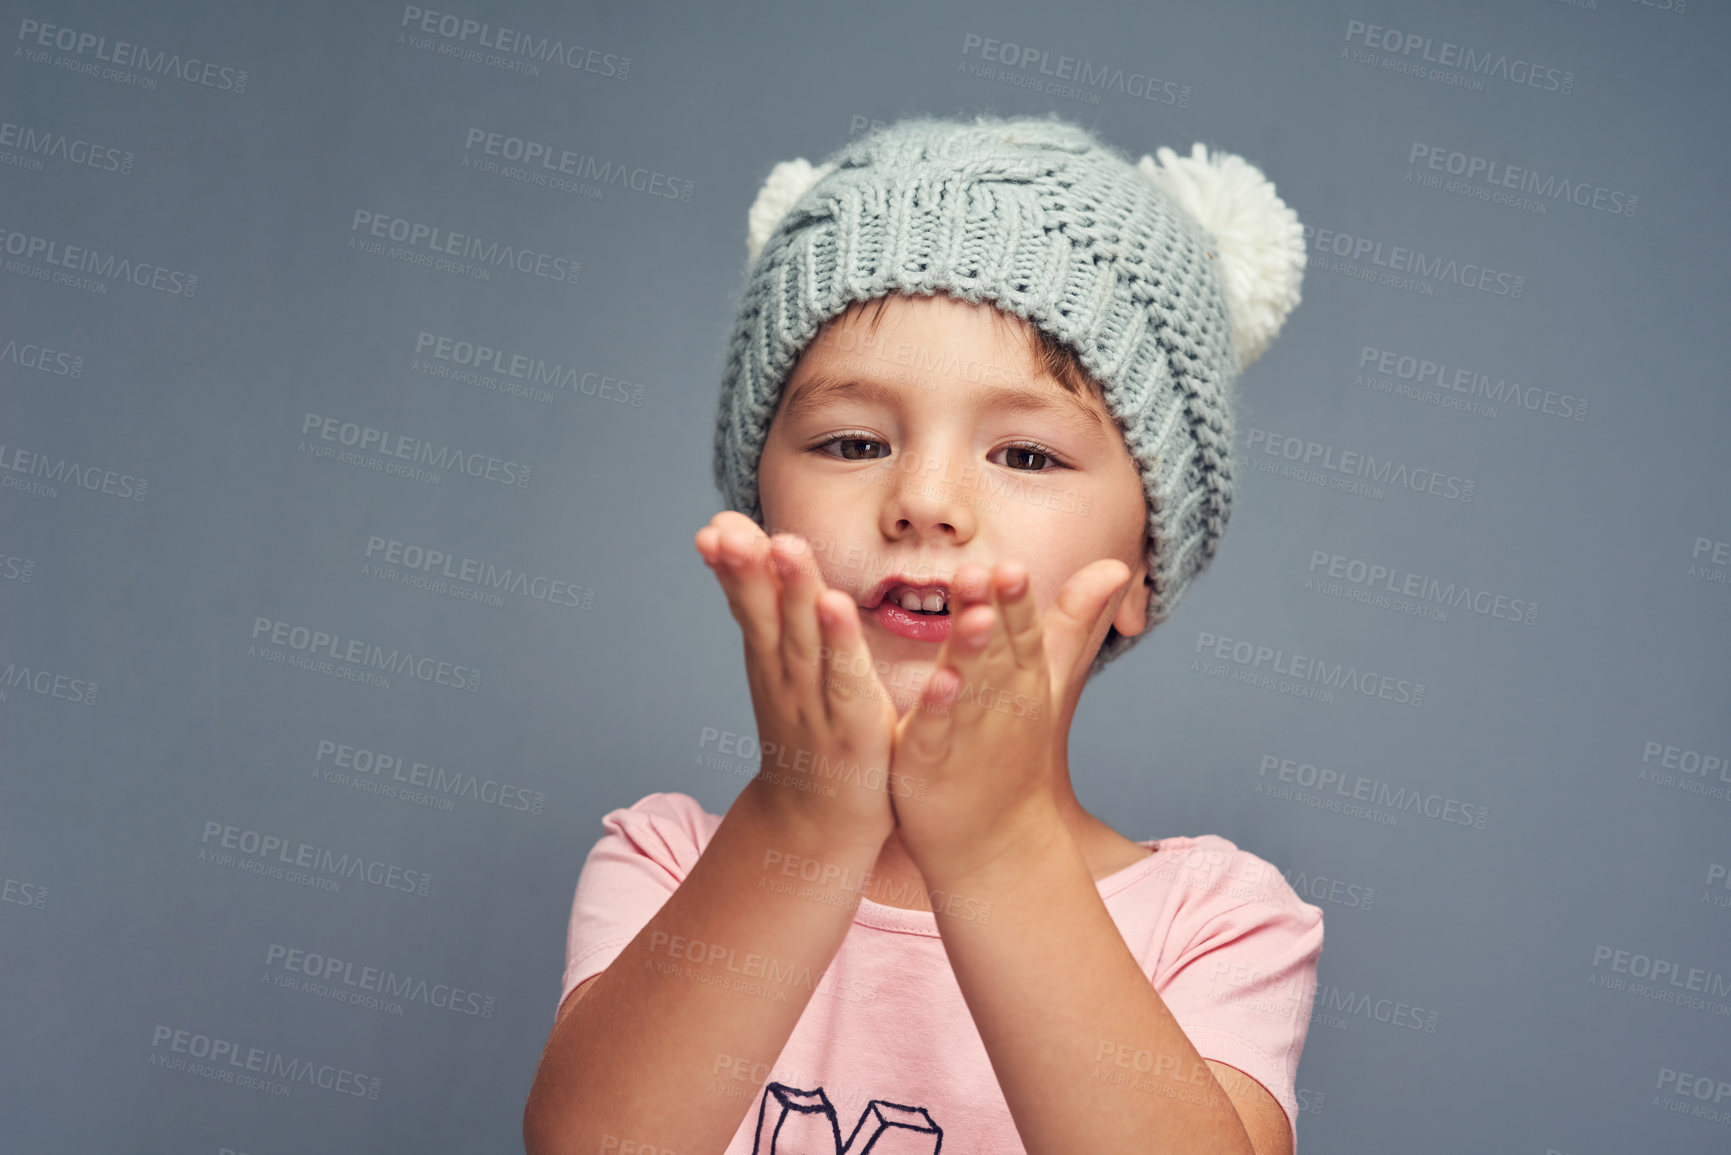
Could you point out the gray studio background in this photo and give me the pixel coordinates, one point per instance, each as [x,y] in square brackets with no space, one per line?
[1517,287]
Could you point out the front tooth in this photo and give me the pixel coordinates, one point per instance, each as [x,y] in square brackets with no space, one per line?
[910,601]
[933,603]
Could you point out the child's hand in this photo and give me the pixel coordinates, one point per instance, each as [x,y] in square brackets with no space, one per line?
[825,727]
[989,754]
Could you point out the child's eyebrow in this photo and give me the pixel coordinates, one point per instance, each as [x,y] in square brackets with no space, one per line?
[821,389]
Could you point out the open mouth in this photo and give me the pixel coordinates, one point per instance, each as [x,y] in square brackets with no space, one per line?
[927,601]
[920,613]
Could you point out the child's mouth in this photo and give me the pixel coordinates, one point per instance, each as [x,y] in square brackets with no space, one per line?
[916,625]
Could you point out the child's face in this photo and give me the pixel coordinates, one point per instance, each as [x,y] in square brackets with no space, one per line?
[933,469]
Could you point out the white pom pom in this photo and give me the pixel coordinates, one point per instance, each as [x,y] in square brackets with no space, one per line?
[1261,243]
[788,181]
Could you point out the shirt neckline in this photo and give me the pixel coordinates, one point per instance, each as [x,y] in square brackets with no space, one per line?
[879,916]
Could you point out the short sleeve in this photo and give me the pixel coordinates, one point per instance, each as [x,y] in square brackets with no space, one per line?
[645,851]
[1243,980]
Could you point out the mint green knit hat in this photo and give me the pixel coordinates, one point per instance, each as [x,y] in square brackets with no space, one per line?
[1167,276]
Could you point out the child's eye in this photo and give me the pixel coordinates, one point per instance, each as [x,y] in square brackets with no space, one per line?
[848,439]
[1015,452]
[1034,448]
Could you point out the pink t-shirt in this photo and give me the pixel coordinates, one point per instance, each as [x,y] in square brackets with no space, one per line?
[886,1041]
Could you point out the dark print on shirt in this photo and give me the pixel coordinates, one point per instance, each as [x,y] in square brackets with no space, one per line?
[795,1122]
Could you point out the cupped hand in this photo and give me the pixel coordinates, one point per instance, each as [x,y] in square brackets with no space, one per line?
[984,739]
[824,720]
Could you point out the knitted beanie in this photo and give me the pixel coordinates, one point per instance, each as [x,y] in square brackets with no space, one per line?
[1167,277]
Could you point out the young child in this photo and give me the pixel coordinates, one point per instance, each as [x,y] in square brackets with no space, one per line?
[975,438]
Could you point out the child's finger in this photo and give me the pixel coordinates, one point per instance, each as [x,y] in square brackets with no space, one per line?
[704,539]
[846,675]
[976,643]
[750,586]
[979,649]
[1022,628]
[928,730]
[800,587]
[1083,602]
[923,735]
[708,539]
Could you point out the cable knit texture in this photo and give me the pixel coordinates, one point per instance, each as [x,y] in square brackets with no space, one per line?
[1037,217]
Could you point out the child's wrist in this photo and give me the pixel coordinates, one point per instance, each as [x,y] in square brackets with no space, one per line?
[1037,838]
[790,819]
